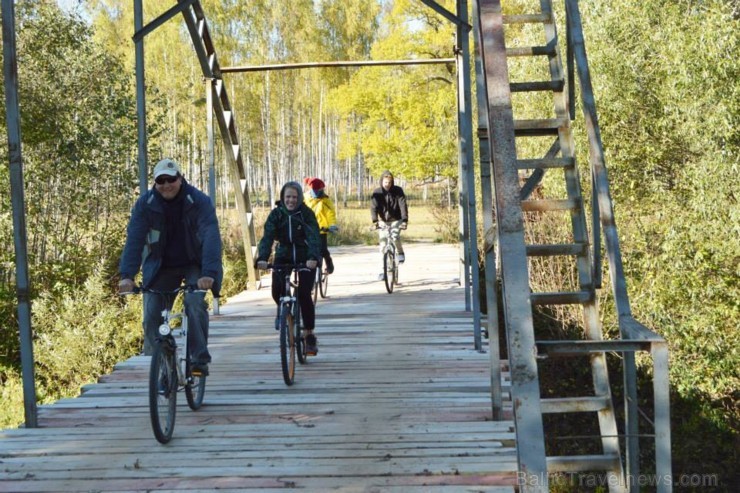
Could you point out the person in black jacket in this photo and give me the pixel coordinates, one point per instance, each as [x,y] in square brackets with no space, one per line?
[173,236]
[294,226]
[388,206]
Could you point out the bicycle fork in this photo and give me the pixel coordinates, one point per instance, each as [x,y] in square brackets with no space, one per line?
[284,300]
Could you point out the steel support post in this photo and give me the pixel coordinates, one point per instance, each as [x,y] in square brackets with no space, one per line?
[489,236]
[17,197]
[465,119]
[141,99]
[211,162]
[632,439]
[462,200]
[662,405]
[211,145]
[141,115]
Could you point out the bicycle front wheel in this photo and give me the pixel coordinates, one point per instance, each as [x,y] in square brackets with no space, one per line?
[195,388]
[163,392]
[299,339]
[389,272]
[287,343]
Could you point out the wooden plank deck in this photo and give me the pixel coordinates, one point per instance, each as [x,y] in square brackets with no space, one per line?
[397,400]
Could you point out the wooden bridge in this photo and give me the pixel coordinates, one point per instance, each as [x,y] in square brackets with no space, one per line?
[396,400]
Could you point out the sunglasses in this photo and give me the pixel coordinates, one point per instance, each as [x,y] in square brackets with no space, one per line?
[161,180]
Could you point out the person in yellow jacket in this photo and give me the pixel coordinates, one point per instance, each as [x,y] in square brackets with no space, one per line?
[323,207]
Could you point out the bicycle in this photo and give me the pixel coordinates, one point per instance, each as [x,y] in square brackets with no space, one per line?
[288,322]
[390,255]
[171,370]
[321,283]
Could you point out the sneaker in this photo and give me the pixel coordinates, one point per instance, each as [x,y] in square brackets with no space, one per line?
[199,369]
[311,345]
[401,258]
[381,276]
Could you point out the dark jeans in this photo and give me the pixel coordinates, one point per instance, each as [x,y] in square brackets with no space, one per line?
[304,293]
[196,308]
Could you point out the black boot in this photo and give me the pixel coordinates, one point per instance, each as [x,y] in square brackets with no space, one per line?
[329,265]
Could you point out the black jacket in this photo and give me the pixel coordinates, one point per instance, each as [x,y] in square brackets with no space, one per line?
[390,205]
[296,232]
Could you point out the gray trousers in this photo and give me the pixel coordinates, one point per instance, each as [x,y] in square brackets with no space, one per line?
[196,308]
[383,234]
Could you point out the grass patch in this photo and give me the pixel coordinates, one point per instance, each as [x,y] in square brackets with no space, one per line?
[355,223]
[426,224]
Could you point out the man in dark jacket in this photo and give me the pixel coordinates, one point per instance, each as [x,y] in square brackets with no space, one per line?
[173,236]
[294,226]
[388,206]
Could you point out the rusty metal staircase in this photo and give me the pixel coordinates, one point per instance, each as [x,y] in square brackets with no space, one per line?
[521,202]
[218,104]
[195,20]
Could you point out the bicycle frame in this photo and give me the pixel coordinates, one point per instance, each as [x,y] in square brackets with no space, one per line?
[390,252]
[171,349]
[289,290]
[178,337]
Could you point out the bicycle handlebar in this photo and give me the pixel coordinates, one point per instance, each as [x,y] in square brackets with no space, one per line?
[299,267]
[190,288]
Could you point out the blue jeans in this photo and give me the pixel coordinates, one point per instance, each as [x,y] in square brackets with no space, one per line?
[196,308]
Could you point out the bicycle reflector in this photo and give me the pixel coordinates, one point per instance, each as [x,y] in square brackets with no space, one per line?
[164,329]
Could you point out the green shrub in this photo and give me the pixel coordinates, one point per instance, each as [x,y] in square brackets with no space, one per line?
[80,335]
[11,395]
[446,223]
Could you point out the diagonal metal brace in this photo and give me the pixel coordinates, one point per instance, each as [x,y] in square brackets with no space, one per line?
[169,14]
[536,177]
[447,14]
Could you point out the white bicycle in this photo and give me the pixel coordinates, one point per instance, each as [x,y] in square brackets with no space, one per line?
[390,255]
[171,370]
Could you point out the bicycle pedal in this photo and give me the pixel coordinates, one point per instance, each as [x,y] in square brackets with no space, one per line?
[199,370]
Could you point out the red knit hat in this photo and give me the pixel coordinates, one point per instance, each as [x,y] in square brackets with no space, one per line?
[316,184]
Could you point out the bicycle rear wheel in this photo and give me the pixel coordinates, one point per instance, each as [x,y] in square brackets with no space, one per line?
[163,392]
[195,389]
[317,283]
[389,277]
[287,343]
[324,284]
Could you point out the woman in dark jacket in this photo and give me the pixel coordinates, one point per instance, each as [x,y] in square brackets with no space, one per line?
[293,225]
